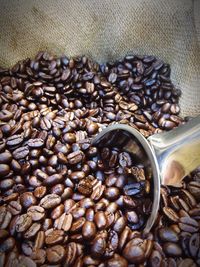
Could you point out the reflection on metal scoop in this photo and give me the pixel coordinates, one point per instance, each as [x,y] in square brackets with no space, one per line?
[171,155]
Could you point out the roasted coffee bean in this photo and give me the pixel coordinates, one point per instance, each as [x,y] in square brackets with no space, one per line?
[85,187]
[40,191]
[98,246]
[100,220]
[92,128]
[6,184]
[194,243]
[25,261]
[53,237]
[75,157]
[119,225]
[5,115]
[97,192]
[77,225]
[134,251]
[89,230]
[71,253]
[55,254]
[112,193]
[57,211]
[27,199]
[167,234]
[172,249]
[171,214]
[14,207]
[188,224]
[36,213]
[132,217]
[50,201]
[38,256]
[14,140]
[23,222]
[21,152]
[39,241]
[64,222]
[4,170]
[69,138]
[77,175]
[5,217]
[133,189]
[53,179]
[5,157]
[32,231]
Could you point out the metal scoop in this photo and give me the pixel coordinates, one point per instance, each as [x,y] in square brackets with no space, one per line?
[171,155]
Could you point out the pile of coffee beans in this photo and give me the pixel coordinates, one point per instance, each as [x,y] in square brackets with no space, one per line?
[64,202]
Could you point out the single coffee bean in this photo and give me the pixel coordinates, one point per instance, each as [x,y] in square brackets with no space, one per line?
[100,220]
[5,217]
[23,222]
[112,193]
[14,140]
[38,256]
[53,179]
[89,230]
[40,191]
[21,152]
[77,175]
[32,231]
[50,201]
[35,143]
[5,157]
[53,237]
[188,224]
[75,157]
[134,253]
[14,207]
[119,224]
[6,184]
[98,246]
[37,213]
[39,241]
[167,234]
[4,170]
[71,253]
[65,222]
[57,211]
[27,199]
[85,187]
[77,225]
[172,249]
[55,254]
[132,217]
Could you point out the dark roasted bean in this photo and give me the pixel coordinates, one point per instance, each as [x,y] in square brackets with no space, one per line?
[88,230]
[50,201]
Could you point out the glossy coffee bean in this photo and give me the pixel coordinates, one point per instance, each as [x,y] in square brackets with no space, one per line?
[89,230]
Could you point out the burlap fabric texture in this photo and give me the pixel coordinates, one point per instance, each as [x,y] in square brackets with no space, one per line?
[106,30]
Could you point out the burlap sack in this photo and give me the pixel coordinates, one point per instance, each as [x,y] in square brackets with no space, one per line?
[107,30]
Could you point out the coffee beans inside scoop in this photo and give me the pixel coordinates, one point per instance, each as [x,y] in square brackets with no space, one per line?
[64,202]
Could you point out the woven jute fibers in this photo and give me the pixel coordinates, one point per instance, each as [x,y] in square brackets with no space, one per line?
[106,30]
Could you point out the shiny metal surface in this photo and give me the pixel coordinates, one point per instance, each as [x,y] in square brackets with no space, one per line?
[177,152]
[172,155]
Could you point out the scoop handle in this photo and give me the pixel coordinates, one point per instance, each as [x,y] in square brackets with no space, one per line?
[177,151]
